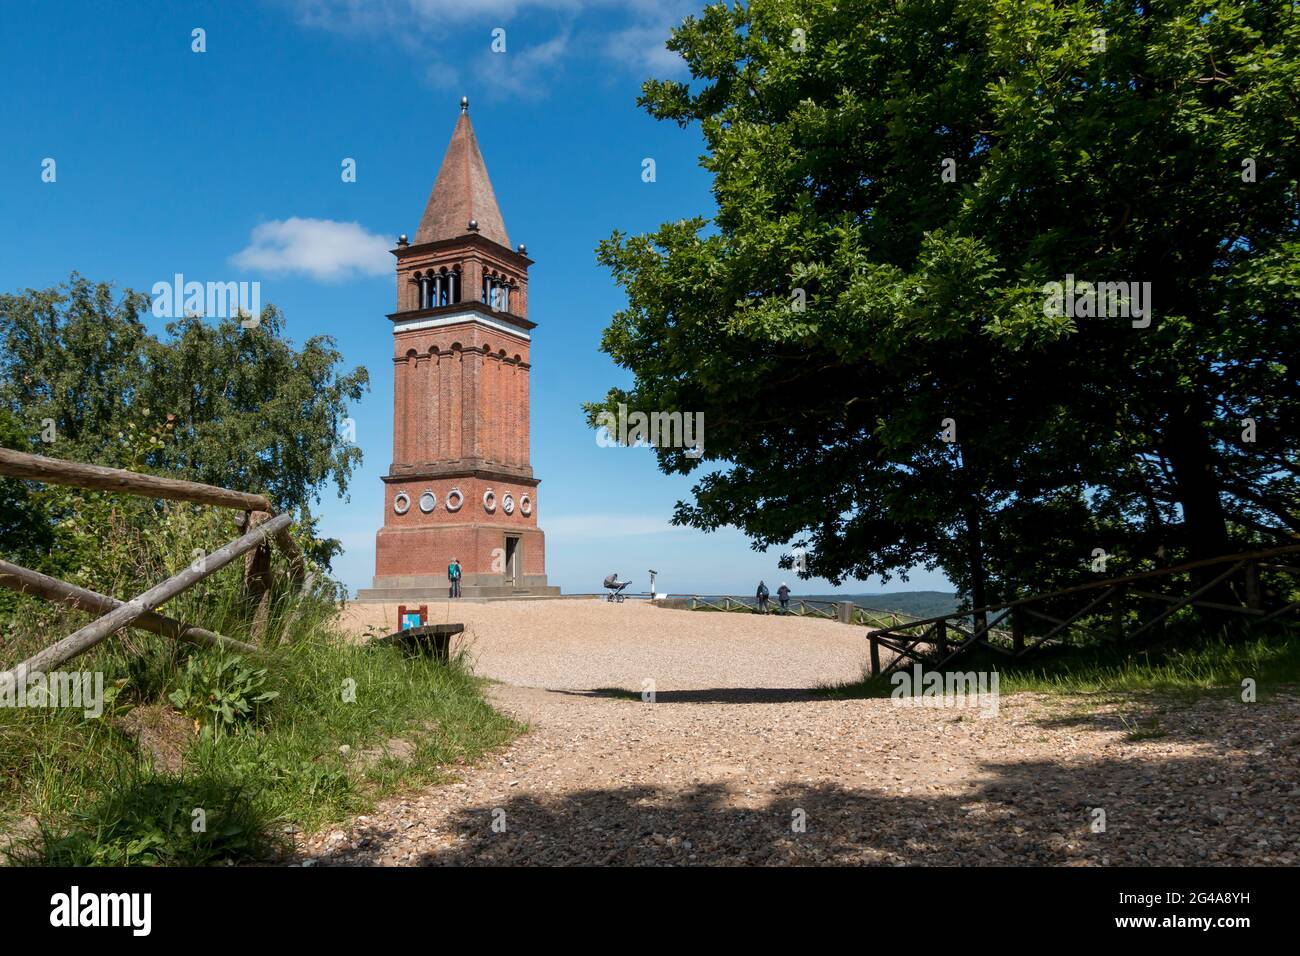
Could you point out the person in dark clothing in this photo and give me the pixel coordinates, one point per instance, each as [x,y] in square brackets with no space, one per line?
[783,595]
[453,575]
[761,594]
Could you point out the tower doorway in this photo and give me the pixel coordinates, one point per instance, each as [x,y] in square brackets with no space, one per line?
[512,560]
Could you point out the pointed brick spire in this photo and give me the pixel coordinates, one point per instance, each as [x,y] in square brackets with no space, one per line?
[462,192]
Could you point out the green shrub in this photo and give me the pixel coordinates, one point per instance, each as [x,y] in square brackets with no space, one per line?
[220,693]
[159,820]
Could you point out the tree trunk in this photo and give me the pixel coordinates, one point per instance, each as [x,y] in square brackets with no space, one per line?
[1191,457]
[1205,525]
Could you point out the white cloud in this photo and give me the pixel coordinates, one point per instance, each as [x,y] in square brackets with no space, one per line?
[642,46]
[326,250]
[627,33]
[424,16]
[522,73]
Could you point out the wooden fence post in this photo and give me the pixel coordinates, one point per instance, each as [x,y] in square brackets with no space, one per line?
[941,638]
[1117,617]
[1017,630]
[1252,585]
[257,577]
[875,656]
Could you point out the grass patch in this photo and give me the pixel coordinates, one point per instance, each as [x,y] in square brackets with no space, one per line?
[1142,728]
[1213,667]
[335,726]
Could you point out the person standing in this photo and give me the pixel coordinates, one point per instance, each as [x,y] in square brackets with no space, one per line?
[453,576]
[783,595]
[761,595]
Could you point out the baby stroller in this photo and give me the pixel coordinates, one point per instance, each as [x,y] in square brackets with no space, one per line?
[615,588]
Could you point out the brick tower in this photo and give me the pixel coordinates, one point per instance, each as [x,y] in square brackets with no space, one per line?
[461,483]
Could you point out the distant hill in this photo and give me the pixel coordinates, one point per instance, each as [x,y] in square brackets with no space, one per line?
[912,603]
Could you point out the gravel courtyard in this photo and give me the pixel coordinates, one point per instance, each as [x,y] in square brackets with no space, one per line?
[735,761]
[586,643]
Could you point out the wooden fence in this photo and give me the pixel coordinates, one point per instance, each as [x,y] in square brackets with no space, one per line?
[258,522]
[1115,611]
[848,612]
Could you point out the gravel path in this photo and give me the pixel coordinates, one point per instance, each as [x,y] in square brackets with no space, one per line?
[580,644]
[732,757]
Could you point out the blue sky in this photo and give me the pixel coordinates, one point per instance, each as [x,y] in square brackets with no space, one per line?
[168,160]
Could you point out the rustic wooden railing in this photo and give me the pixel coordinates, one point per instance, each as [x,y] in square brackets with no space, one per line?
[1116,610]
[848,612]
[258,522]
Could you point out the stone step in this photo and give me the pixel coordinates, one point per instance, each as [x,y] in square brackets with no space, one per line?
[416,594]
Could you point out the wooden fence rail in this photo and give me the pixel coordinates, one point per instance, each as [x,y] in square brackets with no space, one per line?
[801,607]
[937,641]
[25,581]
[87,637]
[55,471]
[259,525]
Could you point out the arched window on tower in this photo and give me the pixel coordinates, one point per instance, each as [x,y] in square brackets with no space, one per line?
[454,278]
[496,292]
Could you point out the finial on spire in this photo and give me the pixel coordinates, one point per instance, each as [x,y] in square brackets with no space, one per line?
[464,104]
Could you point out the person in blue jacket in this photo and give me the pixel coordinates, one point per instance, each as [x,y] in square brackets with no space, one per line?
[453,575]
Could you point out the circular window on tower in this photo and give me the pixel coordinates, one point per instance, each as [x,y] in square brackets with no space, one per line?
[508,504]
[525,505]
[455,499]
[489,501]
[428,501]
[402,503]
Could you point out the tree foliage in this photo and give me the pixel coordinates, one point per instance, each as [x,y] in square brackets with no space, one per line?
[82,378]
[848,297]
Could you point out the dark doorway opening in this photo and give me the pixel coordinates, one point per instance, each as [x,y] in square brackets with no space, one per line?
[512,560]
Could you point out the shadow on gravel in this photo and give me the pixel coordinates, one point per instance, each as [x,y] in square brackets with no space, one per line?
[1171,717]
[712,695]
[1217,809]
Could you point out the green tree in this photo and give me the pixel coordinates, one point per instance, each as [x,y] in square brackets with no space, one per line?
[82,378]
[897,182]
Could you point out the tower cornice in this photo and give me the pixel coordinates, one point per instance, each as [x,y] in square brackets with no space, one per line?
[431,471]
[470,241]
[473,311]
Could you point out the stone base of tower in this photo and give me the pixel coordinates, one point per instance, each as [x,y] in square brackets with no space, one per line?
[491,565]
[392,591]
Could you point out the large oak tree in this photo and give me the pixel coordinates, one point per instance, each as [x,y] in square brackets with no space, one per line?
[897,182]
